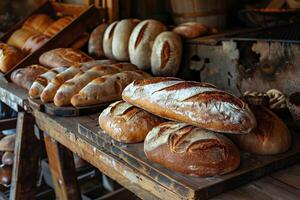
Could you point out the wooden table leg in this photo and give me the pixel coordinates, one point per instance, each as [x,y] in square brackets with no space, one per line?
[27,152]
[63,171]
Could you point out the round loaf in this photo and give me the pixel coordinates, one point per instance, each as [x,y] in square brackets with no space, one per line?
[19,37]
[9,57]
[270,137]
[166,54]
[191,29]
[34,42]
[121,38]
[8,158]
[107,40]
[141,42]
[5,175]
[38,23]
[190,150]
[95,47]
[24,77]
[7,143]
[58,25]
[127,123]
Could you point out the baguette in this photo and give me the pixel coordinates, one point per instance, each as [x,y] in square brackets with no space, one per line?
[198,104]
[42,81]
[191,150]
[106,88]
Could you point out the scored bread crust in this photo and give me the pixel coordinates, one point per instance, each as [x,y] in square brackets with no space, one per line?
[58,25]
[195,103]
[107,40]
[191,150]
[19,37]
[34,42]
[9,57]
[38,23]
[127,123]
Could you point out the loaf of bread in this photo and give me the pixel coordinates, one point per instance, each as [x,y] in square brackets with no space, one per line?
[107,40]
[106,88]
[121,37]
[63,57]
[34,42]
[81,41]
[141,41]
[9,57]
[42,81]
[194,103]
[38,23]
[127,123]
[8,158]
[7,143]
[73,86]
[19,37]
[95,47]
[191,150]
[24,77]
[191,29]
[58,25]
[93,63]
[166,54]
[270,137]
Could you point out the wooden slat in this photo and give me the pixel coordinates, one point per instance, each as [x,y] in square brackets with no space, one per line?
[7,124]
[290,176]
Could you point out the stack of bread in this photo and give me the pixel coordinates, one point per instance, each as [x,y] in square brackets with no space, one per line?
[204,120]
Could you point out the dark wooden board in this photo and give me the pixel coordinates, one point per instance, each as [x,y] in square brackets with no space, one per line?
[252,166]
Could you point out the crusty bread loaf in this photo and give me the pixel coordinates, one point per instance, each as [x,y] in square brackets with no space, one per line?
[7,143]
[58,25]
[141,41]
[24,77]
[191,29]
[63,57]
[191,150]
[93,63]
[34,42]
[106,88]
[19,37]
[195,103]
[38,23]
[95,47]
[9,57]
[127,123]
[121,37]
[270,137]
[42,81]
[107,40]
[166,54]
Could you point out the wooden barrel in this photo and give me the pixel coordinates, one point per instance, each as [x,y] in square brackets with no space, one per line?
[209,12]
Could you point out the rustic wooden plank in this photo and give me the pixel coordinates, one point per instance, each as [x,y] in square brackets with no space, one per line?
[64,131]
[62,168]
[7,124]
[27,152]
[290,176]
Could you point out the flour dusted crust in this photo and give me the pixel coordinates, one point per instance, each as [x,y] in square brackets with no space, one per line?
[106,88]
[166,54]
[270,137]
[95,46]
[191,150]
[195,103]
[141,42]
[9,57]
[107,40]
[38,23]
[127,123]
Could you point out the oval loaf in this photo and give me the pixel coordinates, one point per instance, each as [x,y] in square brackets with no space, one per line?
[95,46]
[9,57]
[107,40]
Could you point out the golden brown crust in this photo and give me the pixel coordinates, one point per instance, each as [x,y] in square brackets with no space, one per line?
[7,143]
[9,57]
[34,42]
[58,25]
[191,150]
[19,37]
[95,47]
[38,23]
[127,123]
[191,29]
[81,41]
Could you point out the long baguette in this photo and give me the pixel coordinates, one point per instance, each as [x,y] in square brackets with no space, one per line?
[194,103]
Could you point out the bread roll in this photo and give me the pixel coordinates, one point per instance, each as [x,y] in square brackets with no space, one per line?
[7,143]
[19,37]
[191,29]
[107,40]
[198,104]
[270,137]
[81,41]
[9,57]
[5,175]
[24,77]
[95,47]
[34,42]
[106,88]
[127,123]
[38,23]
[191,150]
[166,54]
[121,37]
[58,25]
[141,42]
[42,81]
[63,57]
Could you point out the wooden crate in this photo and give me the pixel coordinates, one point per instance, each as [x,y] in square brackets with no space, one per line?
[87,17]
